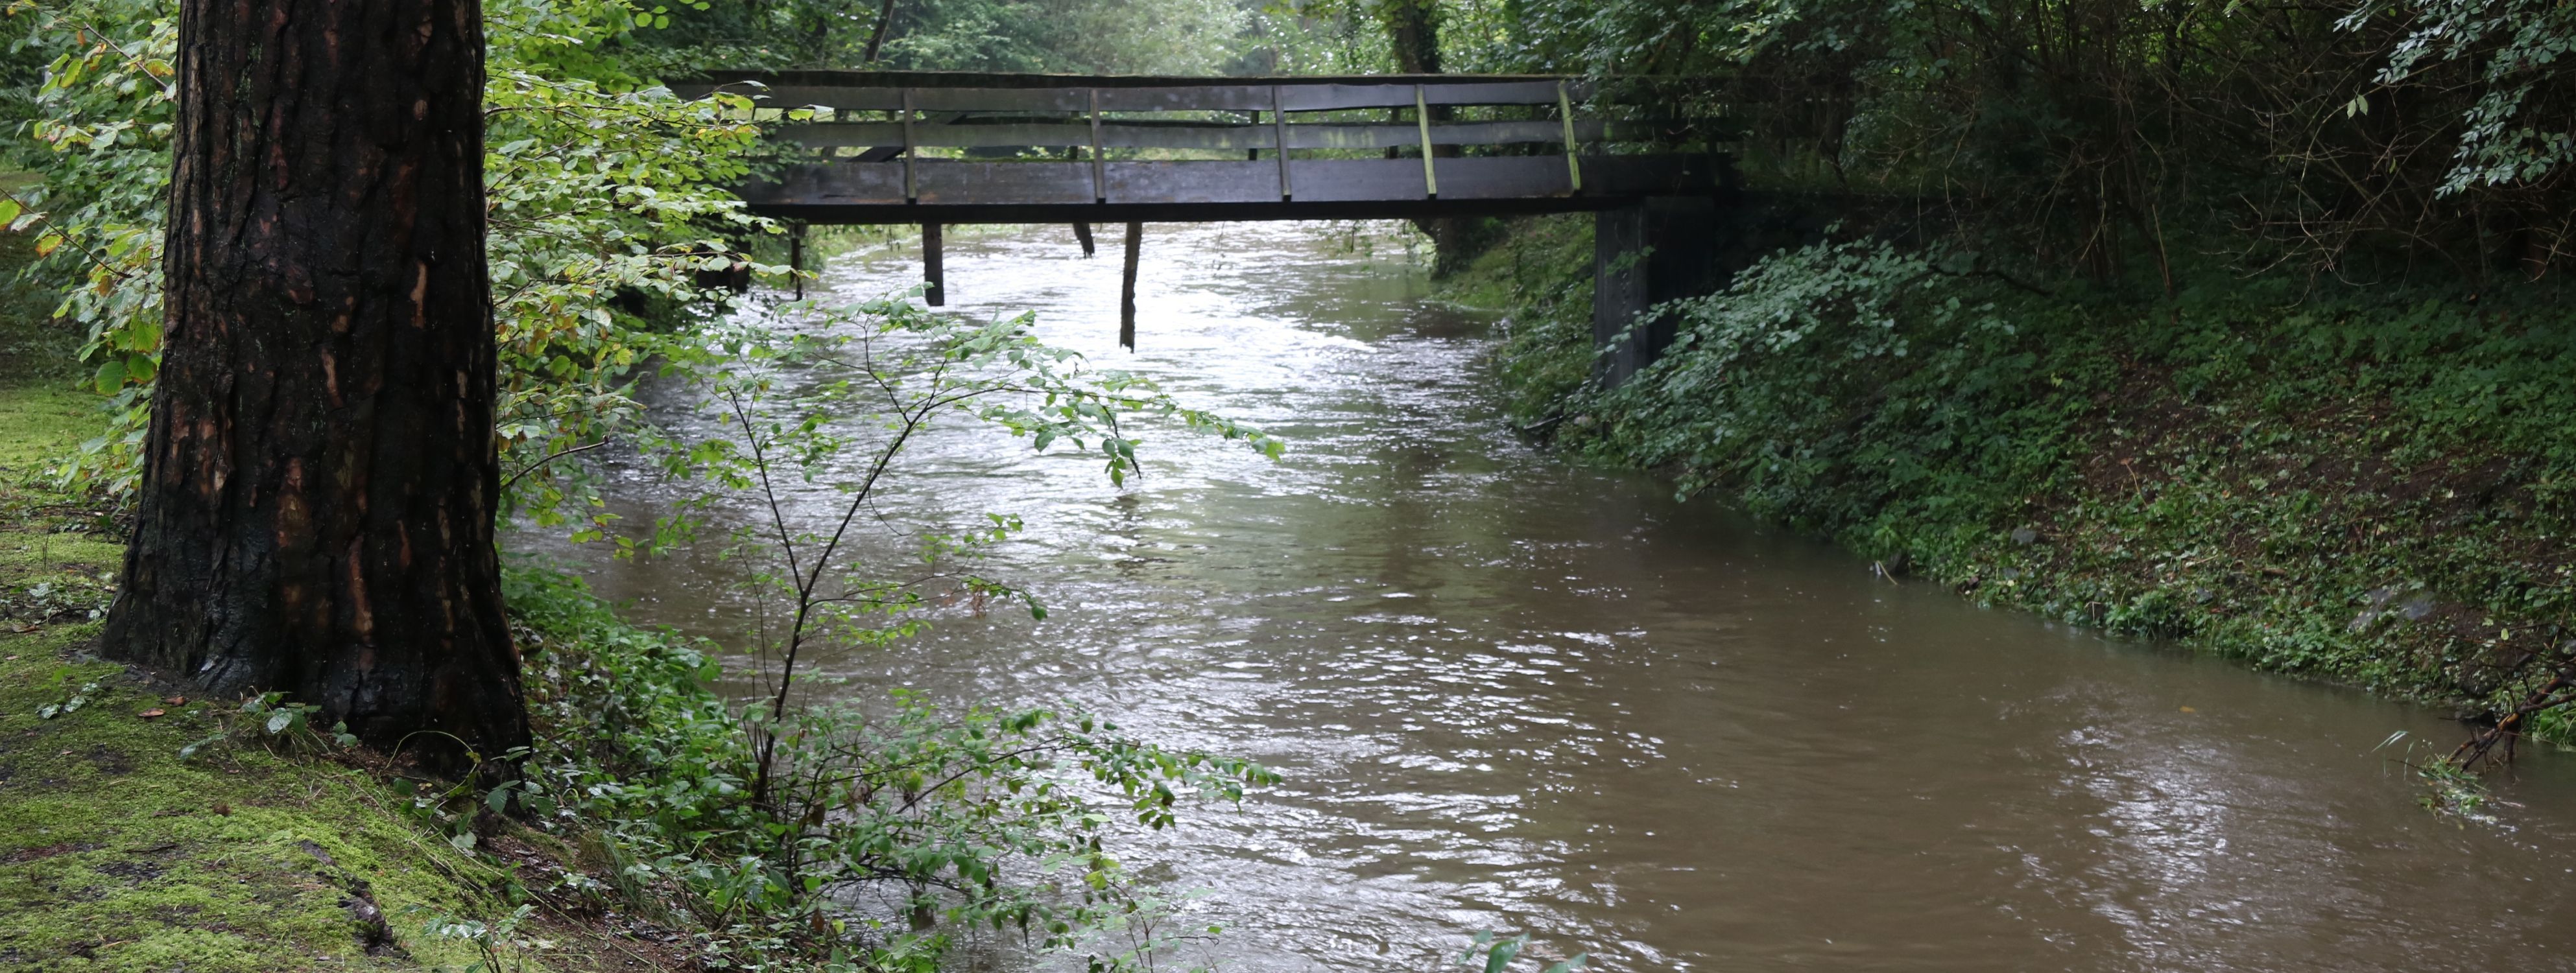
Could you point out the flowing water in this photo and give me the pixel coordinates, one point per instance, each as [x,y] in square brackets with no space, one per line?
[1512,694]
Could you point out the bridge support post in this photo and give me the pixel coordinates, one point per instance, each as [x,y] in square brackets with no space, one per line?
[796,257]
[1127,286]
[937,295]
[1644,255]
[1619,274]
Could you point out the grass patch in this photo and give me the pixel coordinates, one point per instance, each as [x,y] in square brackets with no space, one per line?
[123,856]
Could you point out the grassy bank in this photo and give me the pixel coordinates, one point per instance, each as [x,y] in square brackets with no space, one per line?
[259,853]
[2369,486]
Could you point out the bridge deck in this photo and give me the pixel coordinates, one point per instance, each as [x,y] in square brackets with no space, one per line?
[1194,191]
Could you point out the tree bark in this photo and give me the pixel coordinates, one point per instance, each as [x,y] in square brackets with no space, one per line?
[316,511]
[1413,31]
[1413,34]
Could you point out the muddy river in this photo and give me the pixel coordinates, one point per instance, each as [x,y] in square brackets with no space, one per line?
[1509,693]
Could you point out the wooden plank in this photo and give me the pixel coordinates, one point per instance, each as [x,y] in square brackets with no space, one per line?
[1565,113]
[1210,136]
[1020,182]
[1340,97]
[1225,181]
[1196,98]
[813,87]
[1099,181]
[911,189]
[1279,135]
[1060,192]
[697,85]
[1188,212]
[1422,120]
[865,184]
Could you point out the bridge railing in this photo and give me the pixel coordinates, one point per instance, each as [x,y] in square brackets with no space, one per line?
[1113,141]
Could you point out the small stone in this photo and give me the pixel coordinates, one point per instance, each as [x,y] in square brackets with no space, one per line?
[2416,607]
[2025,536]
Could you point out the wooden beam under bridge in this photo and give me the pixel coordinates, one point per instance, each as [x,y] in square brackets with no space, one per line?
[1219,191]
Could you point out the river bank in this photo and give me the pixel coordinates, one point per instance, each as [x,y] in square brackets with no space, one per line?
[2365,486]
[260,852]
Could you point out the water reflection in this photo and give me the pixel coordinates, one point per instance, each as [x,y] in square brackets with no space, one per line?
[1511,694]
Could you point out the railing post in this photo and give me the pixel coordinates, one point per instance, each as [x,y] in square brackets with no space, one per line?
[911,189]
[1422,119]
[1099,181]
[1279,124]
[1565,111]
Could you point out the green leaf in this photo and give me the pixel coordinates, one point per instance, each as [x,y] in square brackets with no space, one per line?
[279,720]
[9,210]
[463,840]
[191,749]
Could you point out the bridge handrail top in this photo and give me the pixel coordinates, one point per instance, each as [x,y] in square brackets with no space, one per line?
[841,77]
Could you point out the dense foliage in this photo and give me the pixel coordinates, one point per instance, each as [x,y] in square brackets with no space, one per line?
[606,199]
[2374,141]
[1072,36]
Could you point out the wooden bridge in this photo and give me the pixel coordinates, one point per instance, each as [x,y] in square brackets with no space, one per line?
[935,148]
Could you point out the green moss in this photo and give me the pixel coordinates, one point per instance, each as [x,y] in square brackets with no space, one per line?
[121,856]
[115,854]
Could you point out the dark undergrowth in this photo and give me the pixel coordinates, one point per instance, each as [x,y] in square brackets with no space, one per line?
[2368,486]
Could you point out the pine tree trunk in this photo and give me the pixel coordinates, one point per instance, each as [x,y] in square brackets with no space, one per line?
[317,505]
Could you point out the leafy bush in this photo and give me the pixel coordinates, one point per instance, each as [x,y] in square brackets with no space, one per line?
[955,821]
[604,191]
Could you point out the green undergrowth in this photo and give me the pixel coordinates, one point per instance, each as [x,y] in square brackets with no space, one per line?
[117,854]
[2368,486]
[121,856]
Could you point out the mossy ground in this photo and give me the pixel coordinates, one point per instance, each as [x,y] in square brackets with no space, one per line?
[115,854]
[124,857]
